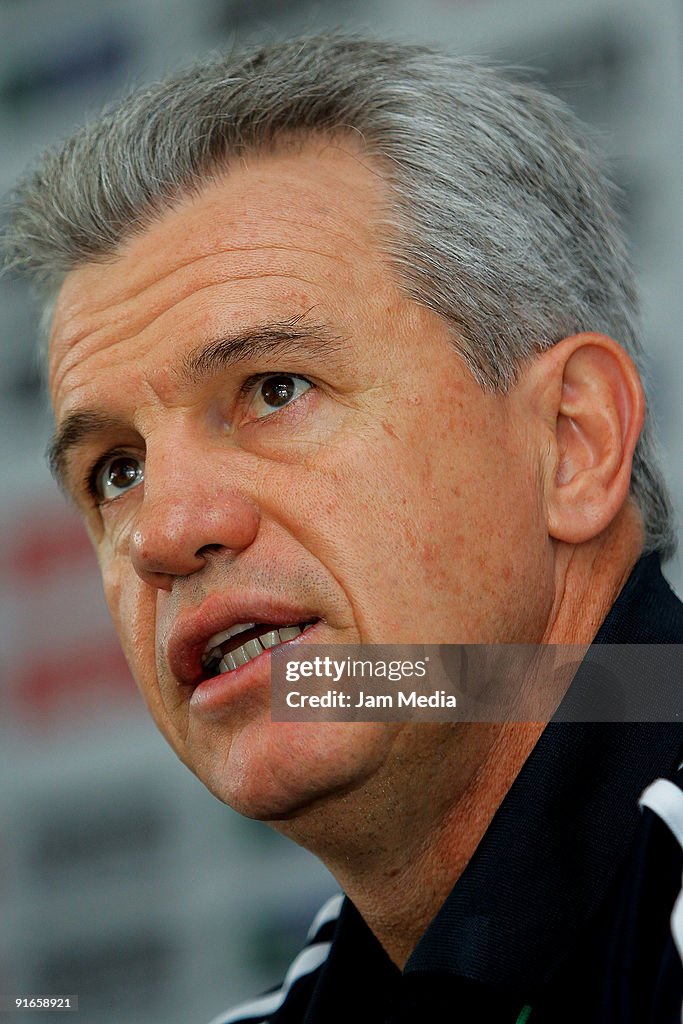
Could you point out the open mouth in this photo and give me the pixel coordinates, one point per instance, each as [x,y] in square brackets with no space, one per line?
[228,650]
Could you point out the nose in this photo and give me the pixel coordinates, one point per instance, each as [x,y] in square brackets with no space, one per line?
[188,510]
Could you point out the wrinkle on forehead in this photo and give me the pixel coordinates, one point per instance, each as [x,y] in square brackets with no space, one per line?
[256,222]
[120,301]
[104,338]
[246,201]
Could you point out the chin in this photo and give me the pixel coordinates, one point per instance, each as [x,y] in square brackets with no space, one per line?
[280,771]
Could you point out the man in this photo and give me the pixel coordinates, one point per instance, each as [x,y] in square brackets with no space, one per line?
[343,348]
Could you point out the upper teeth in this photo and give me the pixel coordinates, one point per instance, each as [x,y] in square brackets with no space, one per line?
[219,638]
[246,651]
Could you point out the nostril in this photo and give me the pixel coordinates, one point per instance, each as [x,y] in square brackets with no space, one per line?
[208,548]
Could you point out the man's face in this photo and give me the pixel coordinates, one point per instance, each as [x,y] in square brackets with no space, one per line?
[315,454]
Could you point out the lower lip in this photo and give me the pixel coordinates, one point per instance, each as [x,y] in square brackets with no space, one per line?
[218,692]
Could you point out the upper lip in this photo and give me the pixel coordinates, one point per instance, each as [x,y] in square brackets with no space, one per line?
[192,628]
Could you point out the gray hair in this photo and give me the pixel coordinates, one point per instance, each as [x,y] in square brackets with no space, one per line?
[501,218]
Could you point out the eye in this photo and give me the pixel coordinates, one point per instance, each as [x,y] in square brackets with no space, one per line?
[118,474]
[275,392]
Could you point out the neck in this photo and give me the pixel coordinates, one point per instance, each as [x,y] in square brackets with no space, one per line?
[588,579]
[397,849]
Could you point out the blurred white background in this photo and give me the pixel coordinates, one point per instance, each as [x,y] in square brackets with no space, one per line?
[121,879]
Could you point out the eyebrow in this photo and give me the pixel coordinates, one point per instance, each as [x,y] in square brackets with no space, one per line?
[268,339]
[265,340]
[77,428]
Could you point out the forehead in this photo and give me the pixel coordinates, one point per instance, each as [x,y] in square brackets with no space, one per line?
[292,230]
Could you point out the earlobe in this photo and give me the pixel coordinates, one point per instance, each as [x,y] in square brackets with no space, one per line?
[599,414]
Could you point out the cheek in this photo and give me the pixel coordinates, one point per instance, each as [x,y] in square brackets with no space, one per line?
[370,516]
[132,607]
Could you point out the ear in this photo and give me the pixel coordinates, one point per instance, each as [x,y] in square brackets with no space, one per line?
[590,399]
